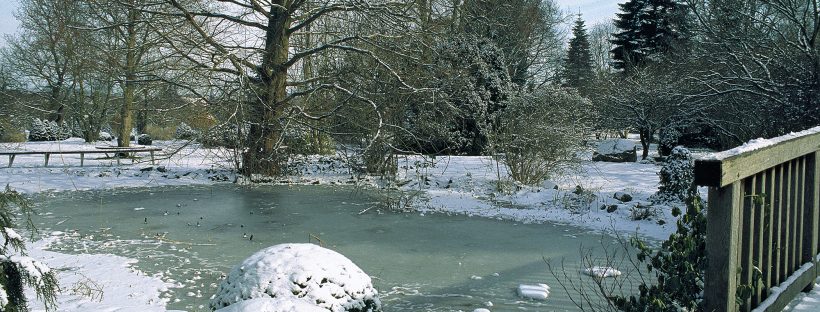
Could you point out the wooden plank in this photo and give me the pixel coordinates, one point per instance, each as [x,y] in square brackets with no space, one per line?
[82,159]
[777,216]
[722,246]
[11,160]
[746,257]
[811,213]
[800,196]
[768,236]
[782,299]
[760,227]
[46,156]
[784,223]
[718,173]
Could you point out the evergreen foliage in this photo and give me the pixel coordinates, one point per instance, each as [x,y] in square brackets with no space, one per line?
[472,85]
[46,130]
[578,64]
[646,28]
[676,176]
[18,270]
[678,265]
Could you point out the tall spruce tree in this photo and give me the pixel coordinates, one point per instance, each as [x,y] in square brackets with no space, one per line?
[646,28]
[578,64]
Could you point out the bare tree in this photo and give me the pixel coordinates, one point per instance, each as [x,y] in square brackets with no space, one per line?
[267,66]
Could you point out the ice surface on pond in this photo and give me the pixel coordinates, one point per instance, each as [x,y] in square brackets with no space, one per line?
[417,263]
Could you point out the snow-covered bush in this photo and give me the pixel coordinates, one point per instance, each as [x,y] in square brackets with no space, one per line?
[225,135]
[676,176]
[105,136]
[144,139]
[185,132]
[20,271]
[667,140]
[540,134]
[272,305]
[302,272]
[46,130]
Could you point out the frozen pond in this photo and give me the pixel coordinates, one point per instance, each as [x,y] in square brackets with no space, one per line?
[191,235]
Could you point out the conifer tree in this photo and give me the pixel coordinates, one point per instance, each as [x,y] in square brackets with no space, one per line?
[578,64]
[645,29]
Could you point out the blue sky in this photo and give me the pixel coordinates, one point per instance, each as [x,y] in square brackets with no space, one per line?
[594,11]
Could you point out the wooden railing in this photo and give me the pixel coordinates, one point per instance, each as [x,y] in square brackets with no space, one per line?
[763,218]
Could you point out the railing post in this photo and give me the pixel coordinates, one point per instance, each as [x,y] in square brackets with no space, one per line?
[812,210]
[722,246]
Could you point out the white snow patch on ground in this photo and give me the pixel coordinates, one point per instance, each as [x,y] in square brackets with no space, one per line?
[92,282]
[806,301]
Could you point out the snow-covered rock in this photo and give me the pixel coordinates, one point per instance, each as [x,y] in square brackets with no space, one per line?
[616,150]
[306,272]
[536,292]
[601,272]
[622,197]
[272,305]
[481,310]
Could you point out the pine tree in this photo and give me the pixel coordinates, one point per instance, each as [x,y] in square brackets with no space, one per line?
[646,28]
[578,64]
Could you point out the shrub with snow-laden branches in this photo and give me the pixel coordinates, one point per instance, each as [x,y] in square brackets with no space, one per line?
[18,270]
[302,273]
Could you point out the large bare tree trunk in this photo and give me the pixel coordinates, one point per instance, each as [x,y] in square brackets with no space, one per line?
[130,88]
[264,155]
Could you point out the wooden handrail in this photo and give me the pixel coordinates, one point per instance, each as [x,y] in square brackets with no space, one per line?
[763,222]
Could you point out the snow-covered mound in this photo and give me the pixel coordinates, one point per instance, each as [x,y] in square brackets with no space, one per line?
[272,305]
[601,272]
[305,272]
[537,291]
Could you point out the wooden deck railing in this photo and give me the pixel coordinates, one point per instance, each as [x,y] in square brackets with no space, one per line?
[763,218]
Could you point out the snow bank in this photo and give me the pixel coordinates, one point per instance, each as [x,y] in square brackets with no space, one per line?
[760,143]
[536,292]
[305,272]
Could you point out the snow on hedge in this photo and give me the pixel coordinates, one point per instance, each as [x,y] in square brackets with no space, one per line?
[305,272]
[615,146]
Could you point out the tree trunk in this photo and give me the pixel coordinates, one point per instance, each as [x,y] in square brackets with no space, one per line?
[129,90]
[646,139]
[264,155]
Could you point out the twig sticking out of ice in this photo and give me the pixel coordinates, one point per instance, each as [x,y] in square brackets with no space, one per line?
[536,292]
[601,272]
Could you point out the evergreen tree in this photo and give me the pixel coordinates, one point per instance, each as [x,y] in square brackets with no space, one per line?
[646,28]
[578,64]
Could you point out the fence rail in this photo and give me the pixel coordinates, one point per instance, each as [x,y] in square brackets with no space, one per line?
[763,231]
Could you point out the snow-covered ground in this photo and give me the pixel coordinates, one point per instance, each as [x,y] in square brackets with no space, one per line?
[476,186]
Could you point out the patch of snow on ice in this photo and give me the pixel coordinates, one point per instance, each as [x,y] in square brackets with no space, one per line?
[536,292]
[601,272]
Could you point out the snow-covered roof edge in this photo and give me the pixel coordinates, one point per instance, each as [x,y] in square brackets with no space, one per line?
[760,143]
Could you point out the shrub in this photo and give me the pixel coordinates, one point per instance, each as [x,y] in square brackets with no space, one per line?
[224,135]
[678,265]
[185,132]
[676,176]
[18,270]
[667,140]
[541,133]
[144,139]
[45,130]
[105,136]
[160,132]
